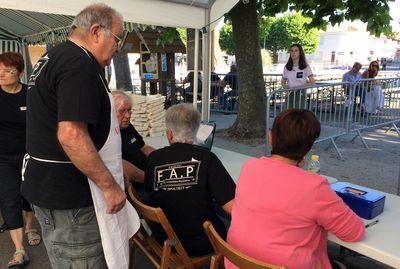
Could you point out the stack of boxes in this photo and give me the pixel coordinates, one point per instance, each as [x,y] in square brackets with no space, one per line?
[148,114]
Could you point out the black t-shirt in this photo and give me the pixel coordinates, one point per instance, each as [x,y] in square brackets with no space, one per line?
[190,77]
[231,79]
[67,84]
[12,122]
[132,142]
[187,182]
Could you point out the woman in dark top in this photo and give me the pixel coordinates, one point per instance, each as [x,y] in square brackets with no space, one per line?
[12,151]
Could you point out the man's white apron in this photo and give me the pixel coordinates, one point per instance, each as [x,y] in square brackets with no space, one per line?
[115,229]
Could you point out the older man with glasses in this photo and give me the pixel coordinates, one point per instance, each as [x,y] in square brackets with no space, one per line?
[134,149]
[352,77]
[73,170]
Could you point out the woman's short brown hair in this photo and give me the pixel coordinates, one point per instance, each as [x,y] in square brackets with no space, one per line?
[294,132]
[13,59]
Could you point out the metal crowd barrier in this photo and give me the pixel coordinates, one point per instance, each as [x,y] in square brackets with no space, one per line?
[342,108]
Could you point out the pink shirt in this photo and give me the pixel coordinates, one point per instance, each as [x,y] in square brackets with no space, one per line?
[282,213]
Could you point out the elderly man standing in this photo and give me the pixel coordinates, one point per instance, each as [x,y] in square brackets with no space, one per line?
[73,173]
[186,181]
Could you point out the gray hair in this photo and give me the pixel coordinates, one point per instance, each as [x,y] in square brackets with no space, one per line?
[119,96]
[184,121]
[95,13]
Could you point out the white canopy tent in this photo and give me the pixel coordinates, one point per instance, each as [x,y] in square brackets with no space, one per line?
[197,14]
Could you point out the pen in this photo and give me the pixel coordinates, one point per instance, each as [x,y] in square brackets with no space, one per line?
[371,223]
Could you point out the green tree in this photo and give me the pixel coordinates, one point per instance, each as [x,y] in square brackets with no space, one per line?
[264,24]
[226,39]
[250,122]
[226,35]
[290,29]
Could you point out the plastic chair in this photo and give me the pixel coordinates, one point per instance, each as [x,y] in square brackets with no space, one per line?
[223,249]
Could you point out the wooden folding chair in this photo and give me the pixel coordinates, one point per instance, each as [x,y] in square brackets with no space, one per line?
[223,249]
[169,255]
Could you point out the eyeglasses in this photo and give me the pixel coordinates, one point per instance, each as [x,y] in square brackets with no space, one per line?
[124,111]
[119,40]
[9,71]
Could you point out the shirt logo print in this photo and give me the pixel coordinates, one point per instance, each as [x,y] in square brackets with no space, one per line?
[176,176]
[133,140]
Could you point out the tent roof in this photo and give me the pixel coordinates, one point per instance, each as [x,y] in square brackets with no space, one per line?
[41,21]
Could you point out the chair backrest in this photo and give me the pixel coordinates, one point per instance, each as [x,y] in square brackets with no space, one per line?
[156,215]
[223,249]
[209,130]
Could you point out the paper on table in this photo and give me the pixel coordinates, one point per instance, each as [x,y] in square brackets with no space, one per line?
[204,132]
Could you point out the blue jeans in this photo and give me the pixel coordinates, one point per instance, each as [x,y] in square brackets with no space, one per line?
[72,238]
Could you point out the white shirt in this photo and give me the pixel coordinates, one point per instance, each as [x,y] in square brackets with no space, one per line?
[297,77]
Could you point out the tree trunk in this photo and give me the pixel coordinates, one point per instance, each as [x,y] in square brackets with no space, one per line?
[122,71]
[274,56]
[250,121]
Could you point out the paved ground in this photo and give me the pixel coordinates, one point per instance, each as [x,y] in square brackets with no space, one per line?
[376,167]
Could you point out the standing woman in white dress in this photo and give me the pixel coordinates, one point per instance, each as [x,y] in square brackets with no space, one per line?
[374,98]
[297,73]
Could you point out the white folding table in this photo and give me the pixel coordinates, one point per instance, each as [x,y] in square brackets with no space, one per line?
[382,240]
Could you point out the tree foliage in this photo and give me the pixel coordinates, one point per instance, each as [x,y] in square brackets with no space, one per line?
[264,24]
[373,12]
[290,29]
[182,35]
[322,12]
[167,36]
[226,39]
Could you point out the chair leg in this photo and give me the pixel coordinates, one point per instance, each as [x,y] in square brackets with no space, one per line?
[165,256]
[214,263]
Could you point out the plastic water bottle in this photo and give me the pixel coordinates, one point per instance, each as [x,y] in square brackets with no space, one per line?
[314,165]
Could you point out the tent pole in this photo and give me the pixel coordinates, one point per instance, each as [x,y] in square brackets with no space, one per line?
[24,47]
[205,96]
[196,68]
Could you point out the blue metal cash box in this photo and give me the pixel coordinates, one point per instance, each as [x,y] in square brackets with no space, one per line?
[365,202]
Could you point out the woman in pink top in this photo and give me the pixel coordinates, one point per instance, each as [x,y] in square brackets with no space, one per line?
[282,214]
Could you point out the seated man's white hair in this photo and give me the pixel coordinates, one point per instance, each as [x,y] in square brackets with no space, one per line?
[119,95]
[184,121]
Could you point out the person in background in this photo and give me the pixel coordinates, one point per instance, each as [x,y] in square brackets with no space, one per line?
[188,183]
[372,90]
[228,99]
[384,63]
[215,85]
[73,175]
[282,213]
[12,150]
[372,70]
[189,90]
[134,150]
[353,77]
[297,73]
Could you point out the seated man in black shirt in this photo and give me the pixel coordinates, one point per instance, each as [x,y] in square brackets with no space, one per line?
[134,150]
[186,181]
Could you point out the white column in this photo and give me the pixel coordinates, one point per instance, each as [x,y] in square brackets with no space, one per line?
[205,97]
[196,68]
